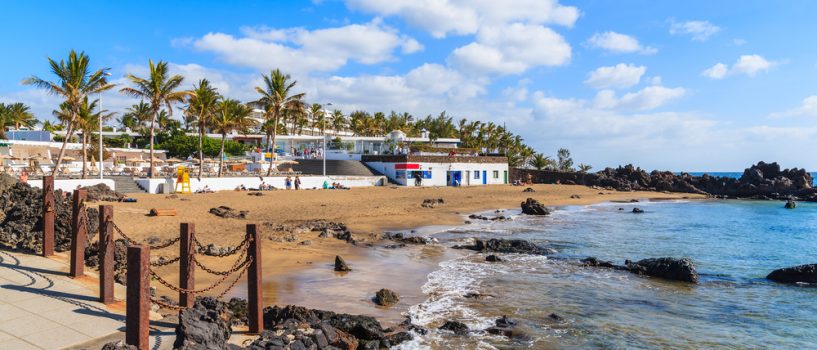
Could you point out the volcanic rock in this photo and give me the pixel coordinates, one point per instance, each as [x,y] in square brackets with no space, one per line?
[103,193]
[204,326]
[228,213]
[340,264]
[495,245]
[795,274]
[668,268]
[493,258]
[532,207]
[386,297]
[431,203]
[457,327]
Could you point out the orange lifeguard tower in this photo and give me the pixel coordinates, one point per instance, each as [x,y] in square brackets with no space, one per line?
[183,180]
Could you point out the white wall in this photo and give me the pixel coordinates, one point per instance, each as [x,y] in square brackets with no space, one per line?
[68,185]
[439,173]
[230,183]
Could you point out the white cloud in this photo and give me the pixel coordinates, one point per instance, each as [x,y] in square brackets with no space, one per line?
[807,108]
[618,76]
[511,49]
[302,50]
[650,97]
[619,43]
[462,17]
[698,30]
[718,71]
[739,42]
[748,65]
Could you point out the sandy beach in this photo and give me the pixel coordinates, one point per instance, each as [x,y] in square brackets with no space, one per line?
[296,273]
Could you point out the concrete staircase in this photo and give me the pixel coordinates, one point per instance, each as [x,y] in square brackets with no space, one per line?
[125,184]
[333,167]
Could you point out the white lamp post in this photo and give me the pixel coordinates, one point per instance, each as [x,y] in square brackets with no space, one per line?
[100,132]
[323,127]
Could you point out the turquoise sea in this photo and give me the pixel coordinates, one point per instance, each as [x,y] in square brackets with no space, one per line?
[737,175]
[734,245]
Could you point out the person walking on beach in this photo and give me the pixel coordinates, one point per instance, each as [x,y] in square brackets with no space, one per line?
[418,178]
[288,182]
[297,182]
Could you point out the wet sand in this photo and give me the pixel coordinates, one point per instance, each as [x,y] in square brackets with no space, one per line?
[302,274]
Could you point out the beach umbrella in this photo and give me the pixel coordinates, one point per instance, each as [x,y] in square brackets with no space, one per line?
[285,162]
[174,160]
[67,158]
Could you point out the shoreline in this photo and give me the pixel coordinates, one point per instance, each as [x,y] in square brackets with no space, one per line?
[295,273]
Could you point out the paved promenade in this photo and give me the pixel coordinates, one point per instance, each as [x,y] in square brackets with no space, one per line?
[42,308]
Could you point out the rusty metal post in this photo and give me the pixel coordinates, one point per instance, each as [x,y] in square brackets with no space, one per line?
[137,308]
[79,219]
[106,251]
[254,295]
[48,215]
[187,270]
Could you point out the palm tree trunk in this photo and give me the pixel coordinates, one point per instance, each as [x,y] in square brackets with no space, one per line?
[203,129]
[152,134]
[272,155]
[64,143]
[221,154]
[84,154]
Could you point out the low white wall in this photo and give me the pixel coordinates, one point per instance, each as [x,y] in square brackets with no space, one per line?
[230,183]
[69,185]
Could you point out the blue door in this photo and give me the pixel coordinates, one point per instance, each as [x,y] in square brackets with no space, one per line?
[484,177]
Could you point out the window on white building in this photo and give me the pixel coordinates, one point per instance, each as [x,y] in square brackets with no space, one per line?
[476,175]
[496,174]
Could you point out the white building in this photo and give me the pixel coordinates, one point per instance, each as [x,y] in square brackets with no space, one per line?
[440,170]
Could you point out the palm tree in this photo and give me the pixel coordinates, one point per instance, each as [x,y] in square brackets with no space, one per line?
[230,115]
[136,116]
[540,161]
[74,82]
[338,121]
[565,161]
[159,89]
[276,101]
[5,120]
[202,105]
[318,117]
[583,168]
[20,115]
[87,121]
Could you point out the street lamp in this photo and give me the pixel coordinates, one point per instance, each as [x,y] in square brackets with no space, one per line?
[323,129]
[100,131]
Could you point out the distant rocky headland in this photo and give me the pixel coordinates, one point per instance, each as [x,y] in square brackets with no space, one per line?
[760,181]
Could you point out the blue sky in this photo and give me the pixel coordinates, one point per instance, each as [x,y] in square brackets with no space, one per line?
[695,86]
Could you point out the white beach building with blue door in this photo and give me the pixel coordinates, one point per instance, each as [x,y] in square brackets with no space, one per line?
[440,170]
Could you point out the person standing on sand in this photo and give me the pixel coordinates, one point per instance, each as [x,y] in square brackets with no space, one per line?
[418,178]
[288,182]
[297,182]
[23,176]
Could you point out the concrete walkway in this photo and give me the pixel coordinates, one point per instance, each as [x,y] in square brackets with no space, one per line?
[42,308]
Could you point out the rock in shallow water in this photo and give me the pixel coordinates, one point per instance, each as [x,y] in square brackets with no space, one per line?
[506,246]
[795,274]
[386,297]
[532,207]
[340,265]
[668,268]
[455,326]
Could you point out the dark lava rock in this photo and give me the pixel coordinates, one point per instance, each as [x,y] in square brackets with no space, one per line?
[495,245]
[532,207]
[341,330]
[21,224]
[593,261]
[103,193]
[431,203]
[575,196]
[120,259]
[455,326]
[528,190]
[229,213]
[401,238]
[340,264]
[556,317]
[503,326]
[493,258]
[795,274]
[324,228]
[790,204]
[257,194]
[204,326]
[386,297]
[118,345]
[668,268]
[240,310]
[638,210]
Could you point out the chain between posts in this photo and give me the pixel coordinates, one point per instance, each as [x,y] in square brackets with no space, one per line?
[216,272]
[166,262]
[245,265]
[131,241]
